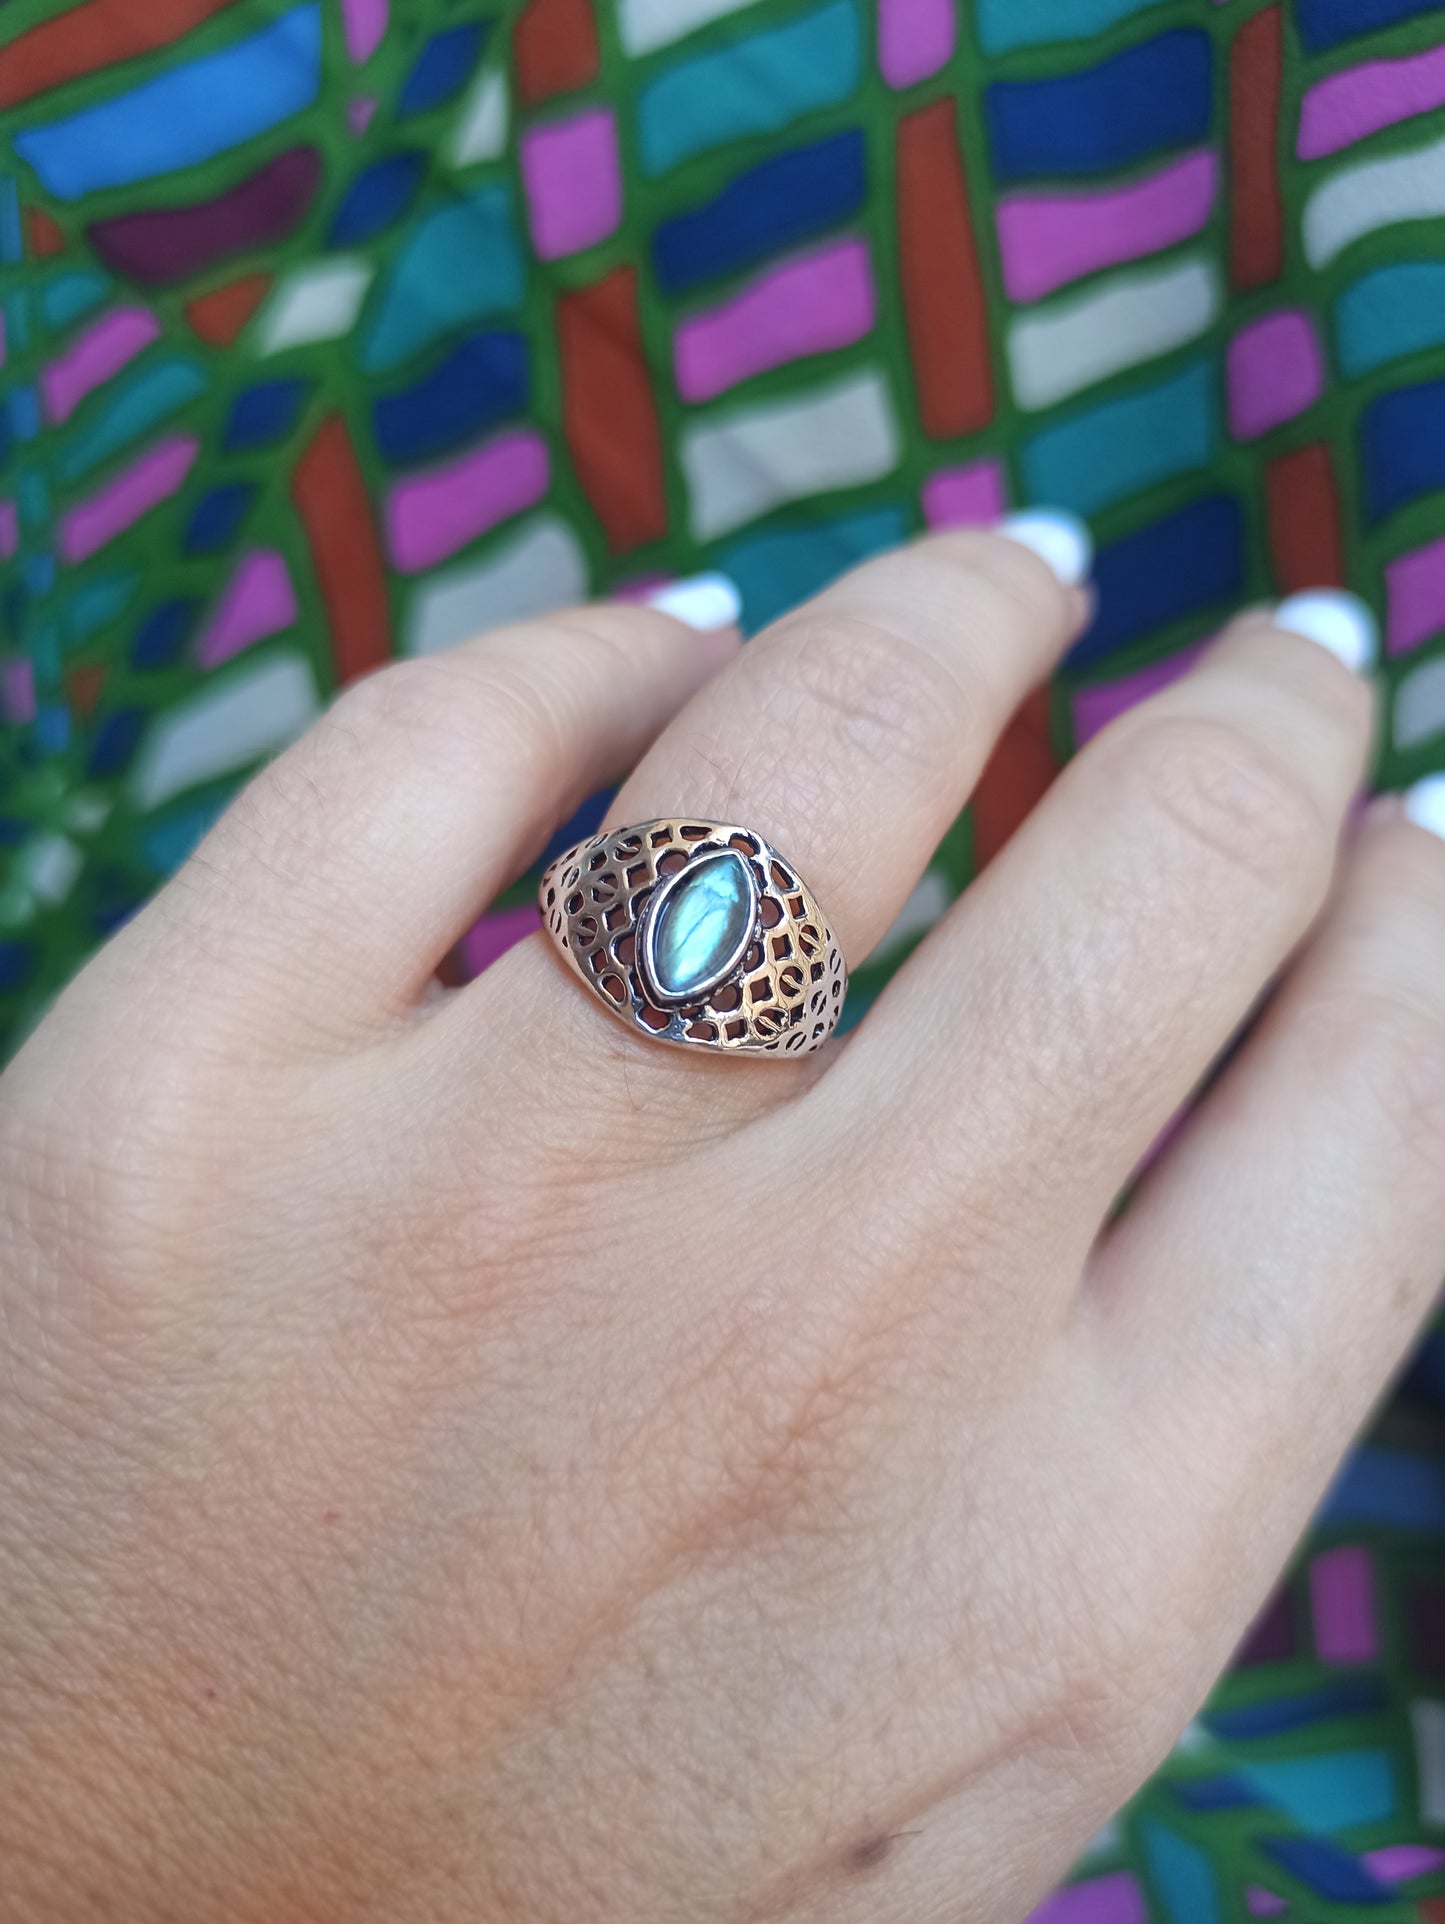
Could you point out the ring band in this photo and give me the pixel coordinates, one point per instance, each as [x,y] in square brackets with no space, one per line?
[697,933]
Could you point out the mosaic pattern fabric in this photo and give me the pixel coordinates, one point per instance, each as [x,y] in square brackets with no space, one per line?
[340,329]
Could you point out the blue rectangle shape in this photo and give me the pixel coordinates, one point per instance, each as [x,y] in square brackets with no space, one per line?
[1402,448]
[1330,1872]
[1143,101]
[1186,564]
[1389,1488]
[752,86]
[184,116]
[770,207]
[482,381]
[1350,1697]
[1325,23]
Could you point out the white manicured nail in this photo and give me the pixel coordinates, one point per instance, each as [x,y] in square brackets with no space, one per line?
[1425,805]
[1057,537]
[704,602]
[1338,621]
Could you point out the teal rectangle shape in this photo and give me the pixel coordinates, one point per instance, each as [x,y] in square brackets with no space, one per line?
[775,571]
[1006,24]
[1390,314]
[185,116]
[1099,455]
[757,85]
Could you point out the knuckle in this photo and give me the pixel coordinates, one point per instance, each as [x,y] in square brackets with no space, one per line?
[1235,802]
[1389,1042]
[400,696]
[448,708]
[880,695]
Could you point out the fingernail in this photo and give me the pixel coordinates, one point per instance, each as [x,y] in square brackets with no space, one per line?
[1338,621]
[704,602]
[1425,805]
[1057,537]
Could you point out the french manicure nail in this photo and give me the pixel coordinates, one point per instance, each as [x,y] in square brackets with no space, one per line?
[1057,537]
[1338,621]
[705,602]
[1425,805]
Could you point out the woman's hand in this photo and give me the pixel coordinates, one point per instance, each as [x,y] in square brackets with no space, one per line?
[460,1461]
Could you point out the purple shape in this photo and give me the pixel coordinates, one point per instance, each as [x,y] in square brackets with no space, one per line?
[825,300]
[18,689]
[100,353]
[1342,1598]
[258,601]
[1262,1903]
[1271,1637]
[573,181]
[364,25]
[430,516]
[1414,597]
[640,588]
[1047,240]
[1275,371]
[971,497]
[167,244]
[1096,707]
[915,38]
[9,531]
[1115,1899]
[1425,1612]
[1345,107]
[158,473]
[359,112]
[484,941]
[1399,1863]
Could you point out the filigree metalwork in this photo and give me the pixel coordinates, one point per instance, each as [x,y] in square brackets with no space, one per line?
[783,998]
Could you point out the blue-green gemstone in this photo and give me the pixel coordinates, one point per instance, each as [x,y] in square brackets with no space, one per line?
[703,925]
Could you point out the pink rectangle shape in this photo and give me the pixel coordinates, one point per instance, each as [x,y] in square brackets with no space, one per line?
[364,26]
[1342,1599]
[1414,597]
[9,531]
[101,352]
[574,182]
[494,934]
[158,474]
[258,601]
[1399,1863]
[970,497]
[432,515]
[1116,1899]
[18,690]
[1096,707]
[1274,370]
[1346,107]
[1047,240]
[915,38]
[808,306]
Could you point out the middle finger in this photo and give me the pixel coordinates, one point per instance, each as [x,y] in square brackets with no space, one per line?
[851,732]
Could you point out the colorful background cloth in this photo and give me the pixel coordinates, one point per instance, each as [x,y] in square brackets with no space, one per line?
[343,329]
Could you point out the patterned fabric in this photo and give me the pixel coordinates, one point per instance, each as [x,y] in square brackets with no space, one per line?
[343,328]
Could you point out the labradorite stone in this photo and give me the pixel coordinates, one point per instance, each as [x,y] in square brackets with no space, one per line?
[701,925]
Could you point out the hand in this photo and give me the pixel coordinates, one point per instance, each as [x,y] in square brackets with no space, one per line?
[460,1461]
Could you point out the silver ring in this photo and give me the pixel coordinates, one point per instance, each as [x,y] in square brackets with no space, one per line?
[698,933]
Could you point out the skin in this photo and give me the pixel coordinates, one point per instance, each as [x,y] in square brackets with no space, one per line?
[459,1461]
